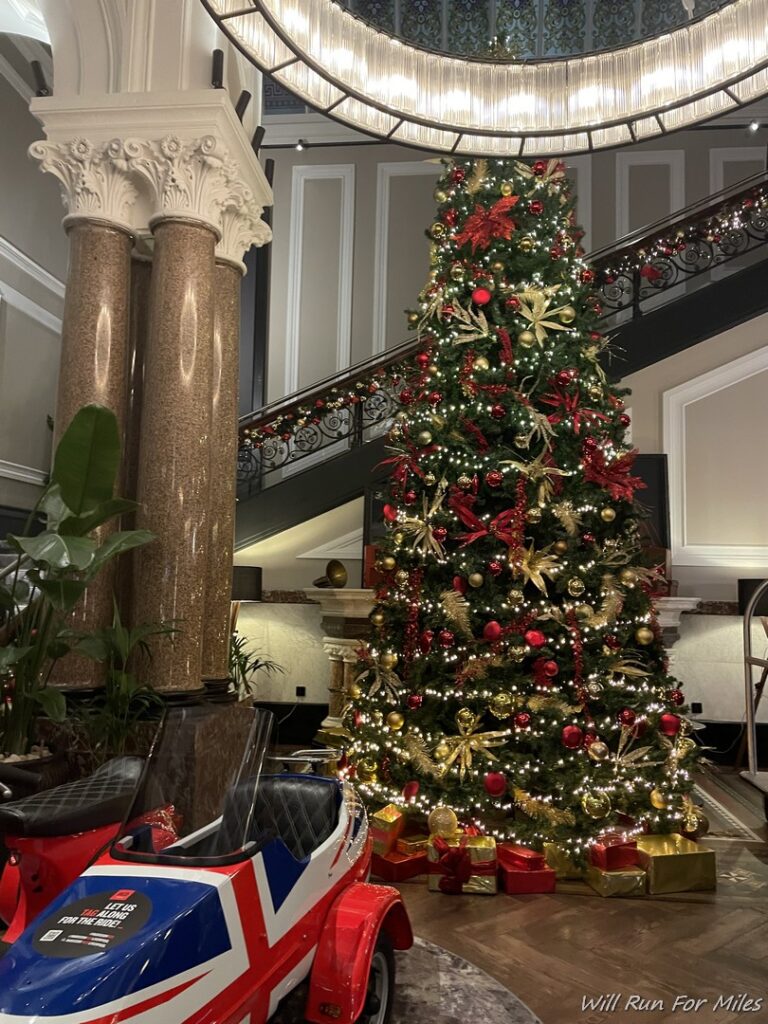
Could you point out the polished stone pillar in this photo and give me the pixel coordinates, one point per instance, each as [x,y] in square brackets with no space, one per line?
[173,482]
[223,464]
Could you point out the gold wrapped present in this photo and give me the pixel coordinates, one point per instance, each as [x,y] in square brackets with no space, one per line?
[412,844]
[462,864]
[386,827]
[676,864]
[558,859]
[625,882]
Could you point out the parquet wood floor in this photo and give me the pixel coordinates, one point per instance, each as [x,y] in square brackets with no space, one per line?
[554,951]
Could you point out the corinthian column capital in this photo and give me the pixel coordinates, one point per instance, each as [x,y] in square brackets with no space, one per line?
[241,227]
[96,184]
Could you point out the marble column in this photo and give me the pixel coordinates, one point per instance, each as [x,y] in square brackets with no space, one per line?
[223,462]
[173,480]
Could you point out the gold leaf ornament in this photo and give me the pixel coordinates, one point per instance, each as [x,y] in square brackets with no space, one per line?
[469,742]
[535,308]
[456,609]
[534,566]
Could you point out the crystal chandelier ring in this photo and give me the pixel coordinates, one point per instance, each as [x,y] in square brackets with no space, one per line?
[382,86]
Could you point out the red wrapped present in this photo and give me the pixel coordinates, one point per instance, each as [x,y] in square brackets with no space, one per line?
[614,852]
[520,858]
[518,882]
[462,864]
[385,827]
[398,867]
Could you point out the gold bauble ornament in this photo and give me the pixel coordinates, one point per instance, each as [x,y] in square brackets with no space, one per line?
[534,515]
[433,368]
[696,823]
[644,635]
[525,244]
[598,750]
[388,563]
[355,691]
[497,267]
[584,611]
[464,481]
[658,799]
[413,319]
[442,750]
[521,440]
[437,230]
[402,577]
[506,188]
[398,536]
[457,272]
[481,363]
[501,705]
[402,416]
[366,770]
[377,616]
[517,652]
[465,718]
[527,339]
[596,805]
[595,689]
[576,586]
[595,392]
[424,437]
[395,720]
[430,479]
[515,596]
[395,433]
[567,315]
[476,579]
[608,514]
[628,577]
[685,746]
[440,196]
[560,547]
[388,659]
[443,822]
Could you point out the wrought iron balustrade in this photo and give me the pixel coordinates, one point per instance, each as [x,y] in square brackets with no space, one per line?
[632,276]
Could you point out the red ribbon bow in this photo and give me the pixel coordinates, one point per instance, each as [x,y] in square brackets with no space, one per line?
[454,864]
[570,404]
[500,527]
[613,476]
[483,226]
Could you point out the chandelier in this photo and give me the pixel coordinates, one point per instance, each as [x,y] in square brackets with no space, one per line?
[345,68]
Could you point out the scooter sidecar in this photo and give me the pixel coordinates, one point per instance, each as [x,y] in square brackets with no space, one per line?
[264,888]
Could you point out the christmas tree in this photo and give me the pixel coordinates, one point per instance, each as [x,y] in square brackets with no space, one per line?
[516,676]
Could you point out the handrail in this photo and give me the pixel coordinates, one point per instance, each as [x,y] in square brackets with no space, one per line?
[358,402]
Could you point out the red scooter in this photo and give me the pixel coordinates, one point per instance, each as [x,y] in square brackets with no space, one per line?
[52,837]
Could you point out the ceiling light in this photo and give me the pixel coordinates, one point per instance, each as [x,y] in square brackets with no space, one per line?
[754,126]
[301,145]
[345,68]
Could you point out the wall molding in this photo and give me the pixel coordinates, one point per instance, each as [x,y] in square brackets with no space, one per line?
[301,174]
[583,167]
[672,158]
[24,474]
[29,307]
[349,546]
[30,267]
[675,403]
[384,175]
[720,156]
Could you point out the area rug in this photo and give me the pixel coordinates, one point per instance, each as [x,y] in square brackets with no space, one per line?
[434,986]
[723,823]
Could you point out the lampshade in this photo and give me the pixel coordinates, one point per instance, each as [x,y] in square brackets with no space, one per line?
[385,87]
[246,583]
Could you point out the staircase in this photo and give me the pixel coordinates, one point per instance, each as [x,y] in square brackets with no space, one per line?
[672,285]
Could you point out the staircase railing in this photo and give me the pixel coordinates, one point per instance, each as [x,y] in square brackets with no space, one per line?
[632,276]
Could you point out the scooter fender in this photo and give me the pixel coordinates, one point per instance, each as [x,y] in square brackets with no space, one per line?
[343,961]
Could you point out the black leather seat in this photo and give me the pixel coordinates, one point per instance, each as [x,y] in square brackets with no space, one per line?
[302,810]
[101,799]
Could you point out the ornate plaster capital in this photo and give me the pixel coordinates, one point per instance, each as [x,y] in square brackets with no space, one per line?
[96,184]
[241,227]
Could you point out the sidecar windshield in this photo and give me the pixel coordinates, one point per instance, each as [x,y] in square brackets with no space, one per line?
[195,801]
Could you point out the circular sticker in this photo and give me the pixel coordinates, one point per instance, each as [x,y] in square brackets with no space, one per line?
[93,924]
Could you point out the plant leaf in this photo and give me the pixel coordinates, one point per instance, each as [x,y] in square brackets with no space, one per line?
[10,655]
[78,526]
[117,544]
[57,552]
[63,595]
[95,647]
[53,506]
[87,458]
[52,702]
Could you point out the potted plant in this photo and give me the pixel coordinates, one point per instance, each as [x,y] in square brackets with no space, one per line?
[244,661]
[52,570]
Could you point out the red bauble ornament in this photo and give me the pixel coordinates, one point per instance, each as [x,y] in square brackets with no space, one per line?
[439,533]
[498,411]
[423,359]
[536,207]
[492,631]
[481,296]
[449,216]
[410,497]
[390,513]
[415,700]
[550,668]
[357,719]
[572,737]
[612,642]
[406,396]
[521,720]
[512,302]
[410,790]
[563,378]
[627,717]
[539,168]
[495,568]
[589,738]
[625,420]
[676,697]
[588,538]
[446,638]
[669,724]
[495,783]
[534,638]
[590,444]
[434,398]
[425,640]
[587,276]
[494,478]
[457,175]
[460,584]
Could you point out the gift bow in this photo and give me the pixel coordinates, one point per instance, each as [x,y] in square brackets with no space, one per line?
[453,863]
